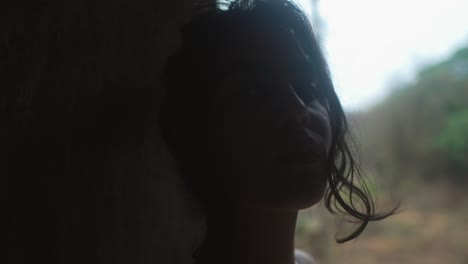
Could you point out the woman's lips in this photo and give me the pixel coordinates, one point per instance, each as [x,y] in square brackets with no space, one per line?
[318,140]
[312,148]
[305,157]
[305,140]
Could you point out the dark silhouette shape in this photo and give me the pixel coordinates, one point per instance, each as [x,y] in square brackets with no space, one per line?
[79,95]
[251,116]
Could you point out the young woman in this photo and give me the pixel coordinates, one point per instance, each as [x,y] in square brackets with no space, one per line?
[252,119]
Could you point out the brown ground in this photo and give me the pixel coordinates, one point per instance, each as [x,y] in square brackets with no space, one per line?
[432,230]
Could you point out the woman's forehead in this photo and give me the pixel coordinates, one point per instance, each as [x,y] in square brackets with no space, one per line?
[270,51]
[277,48]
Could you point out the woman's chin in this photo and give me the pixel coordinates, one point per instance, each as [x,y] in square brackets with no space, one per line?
[289,204]
[302,199]
[303,185]
[298,198]
[290,187]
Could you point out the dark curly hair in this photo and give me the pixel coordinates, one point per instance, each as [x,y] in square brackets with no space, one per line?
[193,71]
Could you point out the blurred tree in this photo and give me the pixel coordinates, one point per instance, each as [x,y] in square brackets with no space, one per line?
[453,141]
[421,129]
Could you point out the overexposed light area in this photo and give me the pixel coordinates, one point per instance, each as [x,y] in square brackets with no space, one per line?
[372,45]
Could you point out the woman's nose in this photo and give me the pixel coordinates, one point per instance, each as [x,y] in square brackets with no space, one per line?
[296,109]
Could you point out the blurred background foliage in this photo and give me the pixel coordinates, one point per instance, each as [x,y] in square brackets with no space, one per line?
[421,129]
[413,146]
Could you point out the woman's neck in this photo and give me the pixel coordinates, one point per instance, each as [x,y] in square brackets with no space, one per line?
[250,236]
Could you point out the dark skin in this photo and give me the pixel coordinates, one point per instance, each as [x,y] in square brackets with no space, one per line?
[270,148]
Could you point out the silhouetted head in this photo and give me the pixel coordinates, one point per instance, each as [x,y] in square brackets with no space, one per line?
[251,116]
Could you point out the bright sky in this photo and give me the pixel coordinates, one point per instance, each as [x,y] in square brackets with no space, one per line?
[372,44]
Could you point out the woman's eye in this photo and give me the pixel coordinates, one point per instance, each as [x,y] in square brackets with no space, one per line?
[306,91]
[246,93]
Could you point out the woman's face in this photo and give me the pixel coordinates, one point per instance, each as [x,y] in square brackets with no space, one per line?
[272,137]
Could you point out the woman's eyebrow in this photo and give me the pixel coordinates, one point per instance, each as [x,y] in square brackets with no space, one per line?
[302,67]
[251,67]
[299,69]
